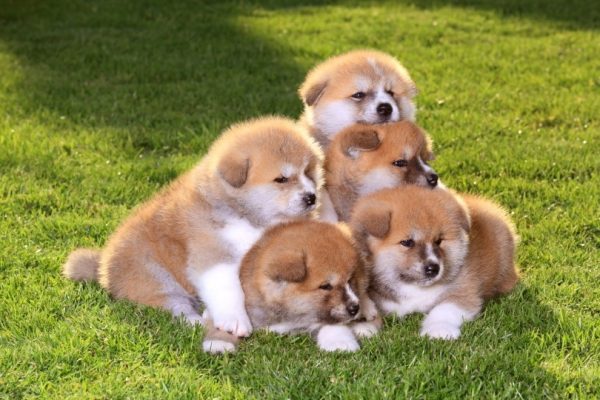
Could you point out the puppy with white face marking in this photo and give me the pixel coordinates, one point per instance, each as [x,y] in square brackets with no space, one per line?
[363,159]
[187,242]
[436,253]
[305,276]
[360,86]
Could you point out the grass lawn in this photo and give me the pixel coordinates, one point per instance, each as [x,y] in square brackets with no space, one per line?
[102,103]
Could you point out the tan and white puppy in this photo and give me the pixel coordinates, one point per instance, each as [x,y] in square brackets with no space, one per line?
[436,253]
[305,276]
[187,242]
[360,86]
[363,159]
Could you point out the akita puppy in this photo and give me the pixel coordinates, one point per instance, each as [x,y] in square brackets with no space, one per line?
[435,252]
[186,243]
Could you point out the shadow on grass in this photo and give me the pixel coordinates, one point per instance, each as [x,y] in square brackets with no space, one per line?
[500,354]
[163,72]
[166,72]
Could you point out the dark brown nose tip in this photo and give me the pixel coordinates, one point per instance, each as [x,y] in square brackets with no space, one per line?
[431,270]
[309,199]
[432,179]
[353,309]
[384,109]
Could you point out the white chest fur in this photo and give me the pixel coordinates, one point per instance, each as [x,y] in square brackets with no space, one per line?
[239,235]
[412,298]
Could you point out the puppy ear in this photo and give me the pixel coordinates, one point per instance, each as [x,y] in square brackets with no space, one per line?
[372,217]
[234,170]
[288,266]
[311,92]
[358,139]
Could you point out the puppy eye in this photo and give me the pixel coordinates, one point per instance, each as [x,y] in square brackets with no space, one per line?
[390,92]
[400,163]
[358,95]
[407,243]
[438,242]
[281,179]
[326,286]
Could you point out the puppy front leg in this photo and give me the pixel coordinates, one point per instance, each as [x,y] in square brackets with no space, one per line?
[445,319]
[216,341]
[220,289]
[370,323]
[337,338]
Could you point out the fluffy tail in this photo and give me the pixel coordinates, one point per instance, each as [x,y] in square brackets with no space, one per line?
[82,265]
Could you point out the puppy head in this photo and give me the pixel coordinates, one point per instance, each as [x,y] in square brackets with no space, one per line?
[375,157]
[360,86]
[308,272]
[270,169]
[413,235]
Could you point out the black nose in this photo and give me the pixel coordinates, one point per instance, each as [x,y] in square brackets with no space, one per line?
[432,179]
[384,109]
[431,270]
[309,199]
[353,309]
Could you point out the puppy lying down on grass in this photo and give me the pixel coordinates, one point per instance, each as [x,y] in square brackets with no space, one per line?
[304,276]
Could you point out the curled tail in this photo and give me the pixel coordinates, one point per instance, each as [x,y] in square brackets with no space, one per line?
[82,265]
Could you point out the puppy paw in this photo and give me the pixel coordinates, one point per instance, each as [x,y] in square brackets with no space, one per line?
[369,309]
[216,346]
[441,330]
[337,338]
[236,324]
[365,329]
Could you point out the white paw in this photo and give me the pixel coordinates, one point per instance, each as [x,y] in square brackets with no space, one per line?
[217,346]
[337,338]
[236,324]
[441,330]
[365,329]
[368,310]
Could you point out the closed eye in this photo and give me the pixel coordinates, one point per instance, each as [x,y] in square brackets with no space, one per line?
[326,286]
[281,179]
[390,92]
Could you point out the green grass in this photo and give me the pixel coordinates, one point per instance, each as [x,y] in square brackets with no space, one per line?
[102,103]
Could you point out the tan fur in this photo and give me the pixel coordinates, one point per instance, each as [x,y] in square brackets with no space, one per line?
[284,273]
[473,270]
[149,258]
[82,265]
[362,149]
[335,79]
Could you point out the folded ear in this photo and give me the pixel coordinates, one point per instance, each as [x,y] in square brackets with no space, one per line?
[312,90]
[372,217]
[234,170]
[288,266]
[359,138]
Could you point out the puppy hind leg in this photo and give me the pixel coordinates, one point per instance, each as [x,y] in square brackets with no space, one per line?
[216,341]
[182,306]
